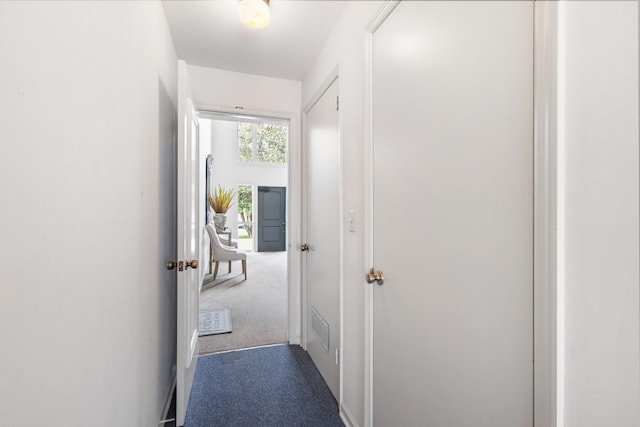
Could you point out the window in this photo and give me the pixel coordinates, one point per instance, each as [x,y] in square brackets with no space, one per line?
[262,143]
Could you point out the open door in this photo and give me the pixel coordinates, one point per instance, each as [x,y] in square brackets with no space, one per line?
[188,244]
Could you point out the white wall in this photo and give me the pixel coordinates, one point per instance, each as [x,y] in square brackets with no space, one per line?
[227,89]
[229,172]
[87,112]
[600,90]
[345,49]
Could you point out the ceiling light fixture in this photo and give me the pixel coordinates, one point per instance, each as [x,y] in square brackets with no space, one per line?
[254,13]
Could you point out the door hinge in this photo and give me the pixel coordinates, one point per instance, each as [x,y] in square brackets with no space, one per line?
[337,356]
[337,103]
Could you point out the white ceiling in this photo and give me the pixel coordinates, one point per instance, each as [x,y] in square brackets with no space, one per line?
[210,34]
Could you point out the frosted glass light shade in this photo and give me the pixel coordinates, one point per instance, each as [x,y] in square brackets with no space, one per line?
[254,13]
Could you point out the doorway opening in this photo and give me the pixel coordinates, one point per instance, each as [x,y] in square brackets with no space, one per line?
[247,157]
[245,217]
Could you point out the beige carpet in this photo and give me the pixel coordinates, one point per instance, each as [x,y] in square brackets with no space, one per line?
[258,305]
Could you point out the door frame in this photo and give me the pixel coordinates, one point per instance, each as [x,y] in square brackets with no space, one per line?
[322,88]
[294,208]
[547,373]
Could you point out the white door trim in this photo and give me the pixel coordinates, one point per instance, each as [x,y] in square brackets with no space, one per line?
[294,208]
[328,81]
[382,14]
[545,308]
[545,403]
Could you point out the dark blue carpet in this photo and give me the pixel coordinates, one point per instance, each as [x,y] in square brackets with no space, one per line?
[270,386]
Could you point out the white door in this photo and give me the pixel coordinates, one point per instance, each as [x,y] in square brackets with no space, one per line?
[453,215]
[188,244]
[322,232]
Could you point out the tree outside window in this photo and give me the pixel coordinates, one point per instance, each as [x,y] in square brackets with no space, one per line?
[262,143]
[245,142]
[245,208]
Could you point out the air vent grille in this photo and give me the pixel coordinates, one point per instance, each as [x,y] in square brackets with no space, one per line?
[321,328]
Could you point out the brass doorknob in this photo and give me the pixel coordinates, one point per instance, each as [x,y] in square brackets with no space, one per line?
[304,247]
[193,263]
[170,265]
[374,276]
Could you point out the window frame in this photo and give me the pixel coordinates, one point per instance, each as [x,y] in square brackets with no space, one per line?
[254,142]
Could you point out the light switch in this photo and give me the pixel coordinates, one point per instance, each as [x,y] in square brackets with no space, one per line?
[352,221]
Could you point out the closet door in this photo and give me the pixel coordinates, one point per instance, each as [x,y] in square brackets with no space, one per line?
[453,215]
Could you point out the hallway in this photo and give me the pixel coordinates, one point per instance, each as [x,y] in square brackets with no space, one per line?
[268,386]
[92,110]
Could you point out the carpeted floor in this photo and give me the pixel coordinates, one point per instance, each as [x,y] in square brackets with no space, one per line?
[269,386]
[258,305]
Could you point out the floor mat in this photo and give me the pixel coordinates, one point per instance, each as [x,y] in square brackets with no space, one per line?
[214,321]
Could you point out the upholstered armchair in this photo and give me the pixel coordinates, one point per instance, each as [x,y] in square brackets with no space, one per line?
[225,253]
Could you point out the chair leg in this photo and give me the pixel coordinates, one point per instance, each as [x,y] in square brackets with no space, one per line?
[210,257]
[229,266]
[215,271]
[244,268]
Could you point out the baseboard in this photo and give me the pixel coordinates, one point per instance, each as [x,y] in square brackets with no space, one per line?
[295,340]
[168,397]
[347,418]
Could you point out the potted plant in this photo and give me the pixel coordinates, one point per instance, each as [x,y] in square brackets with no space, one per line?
[220,201]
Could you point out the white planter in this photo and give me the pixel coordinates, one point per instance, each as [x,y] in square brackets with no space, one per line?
[219,220]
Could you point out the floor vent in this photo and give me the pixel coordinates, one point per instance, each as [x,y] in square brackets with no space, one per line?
[321,328]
